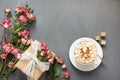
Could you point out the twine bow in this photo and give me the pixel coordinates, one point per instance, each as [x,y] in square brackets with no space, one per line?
[34,62]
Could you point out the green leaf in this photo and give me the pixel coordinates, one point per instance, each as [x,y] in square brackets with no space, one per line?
[57,73]
[13,69]
[19,29]
[5,71]
[17,23]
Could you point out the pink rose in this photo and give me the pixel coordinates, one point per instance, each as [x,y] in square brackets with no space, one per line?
[64,66]
[59,59]
[29,40]
[21,9]
[51,61]
[26,33]
[24,41]
[66,74]
[43,46]
[18,9]
[30,16]
[43,53]
[17,56]
[25,9]
[8,49]
[7,10]
[3,55]
[10,64]
[15,52]
[19,33]
[50,55]
[6,23]
[5,43]
[23,19]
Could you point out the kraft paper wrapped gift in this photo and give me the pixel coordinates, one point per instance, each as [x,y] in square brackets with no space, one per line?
[30,65]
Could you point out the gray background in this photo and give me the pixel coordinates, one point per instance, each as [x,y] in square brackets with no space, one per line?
[60,22]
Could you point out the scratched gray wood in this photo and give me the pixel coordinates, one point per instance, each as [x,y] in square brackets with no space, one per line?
[60,22]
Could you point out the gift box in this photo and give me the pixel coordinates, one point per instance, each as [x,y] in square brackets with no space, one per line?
[30,64]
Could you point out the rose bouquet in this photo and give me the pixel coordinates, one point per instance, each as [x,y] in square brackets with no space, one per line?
[11,49]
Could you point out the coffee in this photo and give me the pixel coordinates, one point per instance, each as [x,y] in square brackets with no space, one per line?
[85,52]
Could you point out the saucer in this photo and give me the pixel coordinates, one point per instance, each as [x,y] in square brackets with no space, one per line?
[87,67]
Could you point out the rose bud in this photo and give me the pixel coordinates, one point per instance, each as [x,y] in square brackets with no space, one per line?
[6,23]
[3,55]
[29,40]
[7,10]
[50,55]
[8,49]
[26,33]
[30,16]
[20,33]
[10,64]
[17,56]
[23,40]
[23,19]
[51,61]
[59,59]
[43,53]
[64,66]
[43,46]
[66,74]
[15,51]
[18,9]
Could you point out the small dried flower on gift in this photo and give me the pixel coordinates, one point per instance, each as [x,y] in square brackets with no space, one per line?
[43,53]
[43,45]
[64,66]
[66,74]
[59,59]
[10,64]
[7,47]
[15,51]
[17,56]
[51,61]
[103,34]
[50,55]
[3,55]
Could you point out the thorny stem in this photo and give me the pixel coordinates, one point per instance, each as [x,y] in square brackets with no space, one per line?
[4,34]
[2,67]
[3,38]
